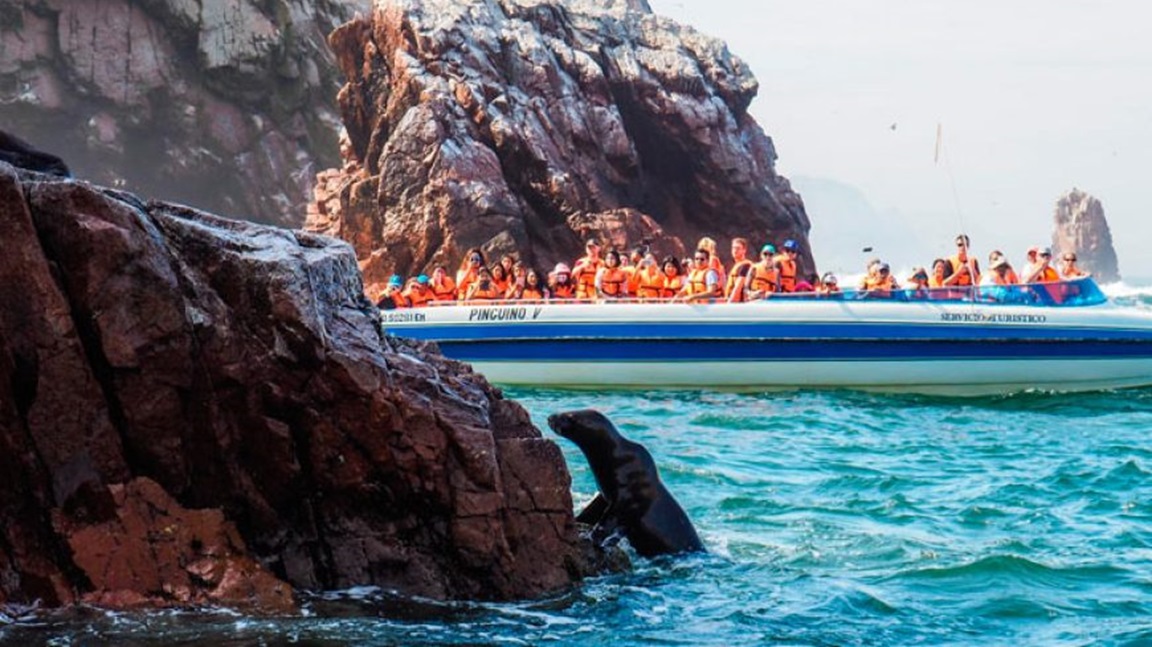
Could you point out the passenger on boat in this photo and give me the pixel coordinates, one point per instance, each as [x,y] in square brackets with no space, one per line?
[500,278]
[484,288]
[519,276]
[533,288]
[508,262]
[443,287]
[560,282]
[880,284]
[1042,271]
[808,284]
[393,295]
[703,281]
[469,270]
[917,287]
[1068,268]
[649,278]
[940,270]
[963,270]
[709,244]
[738,275]
[418,292]
[1002,272]
[763,279]
[611,281]
[585,269]
[829,285]
[633,267]
[786,266]
[673,277]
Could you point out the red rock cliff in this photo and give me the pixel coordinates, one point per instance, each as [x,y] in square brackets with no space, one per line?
[226,105]
[197,410]
[527,124]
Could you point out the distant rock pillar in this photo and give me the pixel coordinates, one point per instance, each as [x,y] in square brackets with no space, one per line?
[1080,227]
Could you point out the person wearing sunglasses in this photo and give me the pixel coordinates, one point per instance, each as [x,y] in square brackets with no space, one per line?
[963,270]
[786,266]
[469,271]
[703,282]
[1041,271]
[763,279]
[1068,268]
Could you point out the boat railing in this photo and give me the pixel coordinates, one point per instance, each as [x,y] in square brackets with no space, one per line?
[1072,293]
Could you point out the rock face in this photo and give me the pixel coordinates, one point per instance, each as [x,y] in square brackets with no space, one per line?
[1080,227]
[511,124]
[197,410]
[225,104]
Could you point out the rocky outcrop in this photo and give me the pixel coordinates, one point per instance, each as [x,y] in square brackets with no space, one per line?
[498,123]
[199,410]
[226,105]
[1080,227]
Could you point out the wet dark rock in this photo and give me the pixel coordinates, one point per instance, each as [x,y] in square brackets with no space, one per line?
[200,410]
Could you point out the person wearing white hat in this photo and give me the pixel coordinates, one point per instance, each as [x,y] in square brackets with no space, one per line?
[1042,271]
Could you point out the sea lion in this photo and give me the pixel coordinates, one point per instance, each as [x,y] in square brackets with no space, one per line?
[632,499]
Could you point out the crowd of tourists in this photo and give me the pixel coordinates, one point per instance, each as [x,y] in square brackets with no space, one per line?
[639,274]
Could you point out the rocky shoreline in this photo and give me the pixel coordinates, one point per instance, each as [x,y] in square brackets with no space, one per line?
[195,410]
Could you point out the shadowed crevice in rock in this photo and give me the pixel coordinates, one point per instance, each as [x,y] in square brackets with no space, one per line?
[197,370]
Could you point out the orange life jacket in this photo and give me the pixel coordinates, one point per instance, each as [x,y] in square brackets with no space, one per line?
[934,282]
[584,271]
[446,291]
[650,285]
[532,294]
[612,281]
[395,296]
[491,294]
[464,280]
[416,296]
[967,279]
[698,281]
[1009,278]
[764,277]
[881,286]
[735,284]
[502,285]
[565,291]
[787,273]
[671,286]
[633,274]
[1049,275]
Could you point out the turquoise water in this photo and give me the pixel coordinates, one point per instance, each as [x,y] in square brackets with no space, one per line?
[832,519]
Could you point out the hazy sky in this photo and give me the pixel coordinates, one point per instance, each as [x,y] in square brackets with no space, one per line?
[1035,98]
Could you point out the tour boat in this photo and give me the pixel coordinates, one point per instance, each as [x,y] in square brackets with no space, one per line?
[989,340]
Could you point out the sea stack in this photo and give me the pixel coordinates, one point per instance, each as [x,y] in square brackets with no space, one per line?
[196,410]
[528,125]
[1080,227]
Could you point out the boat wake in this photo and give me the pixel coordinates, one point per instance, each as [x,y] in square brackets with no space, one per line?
[1125,294]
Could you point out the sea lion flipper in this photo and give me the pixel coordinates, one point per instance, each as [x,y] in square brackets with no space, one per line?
[594,511]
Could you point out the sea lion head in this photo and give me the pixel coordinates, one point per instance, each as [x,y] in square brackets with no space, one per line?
[586,427]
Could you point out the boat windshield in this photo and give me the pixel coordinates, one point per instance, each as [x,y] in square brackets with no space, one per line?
[1077,292]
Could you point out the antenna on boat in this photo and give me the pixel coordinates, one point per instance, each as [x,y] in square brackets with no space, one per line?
[941,151]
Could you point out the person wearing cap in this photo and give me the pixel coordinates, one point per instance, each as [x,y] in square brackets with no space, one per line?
[1001,270]
[703,282]
[763,279]
[469,271]
[829,285]
[963,270]
[786,266]
[393,295]
[880,284]
[560,282]
[418,292]
[442,285]
[1041,271]
[585,269]
[738,275]
[1068,268]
